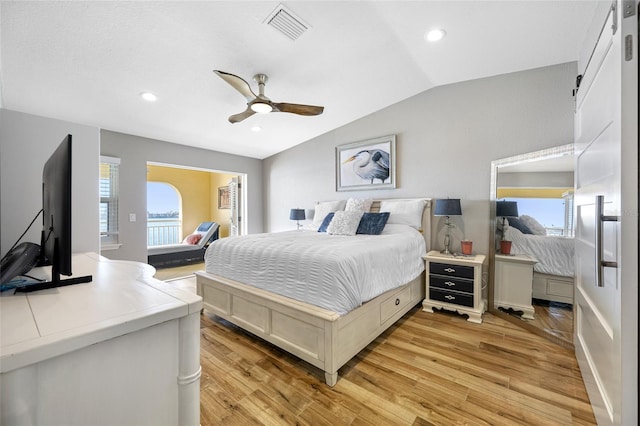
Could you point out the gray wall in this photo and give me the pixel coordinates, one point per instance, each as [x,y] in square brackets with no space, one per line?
[135,152]
[26,142]
[446,140]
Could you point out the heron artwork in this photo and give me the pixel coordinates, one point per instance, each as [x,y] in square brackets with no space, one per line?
[371,164]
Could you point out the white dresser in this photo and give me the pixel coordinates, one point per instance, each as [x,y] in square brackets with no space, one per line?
[121,350]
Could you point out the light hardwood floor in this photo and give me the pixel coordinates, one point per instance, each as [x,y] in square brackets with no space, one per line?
[427,369]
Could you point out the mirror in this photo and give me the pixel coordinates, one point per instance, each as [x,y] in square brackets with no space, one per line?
[533,283]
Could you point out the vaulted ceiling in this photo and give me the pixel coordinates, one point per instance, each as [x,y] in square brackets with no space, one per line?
[88,62]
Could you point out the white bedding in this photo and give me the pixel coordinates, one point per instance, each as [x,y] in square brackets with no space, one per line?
[555,255]
[335,272]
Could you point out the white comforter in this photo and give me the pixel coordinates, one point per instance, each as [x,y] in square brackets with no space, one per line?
[335,272]
[555,255]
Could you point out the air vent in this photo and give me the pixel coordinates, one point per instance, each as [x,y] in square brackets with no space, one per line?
[285,21]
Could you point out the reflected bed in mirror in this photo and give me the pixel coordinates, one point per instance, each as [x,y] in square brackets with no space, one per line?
[534,284]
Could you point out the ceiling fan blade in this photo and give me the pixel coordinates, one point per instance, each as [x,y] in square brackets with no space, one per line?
[237,83]
[298,109]
[241,116]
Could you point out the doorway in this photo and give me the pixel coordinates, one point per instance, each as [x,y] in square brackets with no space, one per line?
[205,195]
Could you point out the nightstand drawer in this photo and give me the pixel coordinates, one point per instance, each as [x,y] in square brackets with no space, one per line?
[451,297]
[451,270]
[450,283]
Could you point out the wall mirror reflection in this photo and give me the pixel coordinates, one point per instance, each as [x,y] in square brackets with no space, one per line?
[532,253]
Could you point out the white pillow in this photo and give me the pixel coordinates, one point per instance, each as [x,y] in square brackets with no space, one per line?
[345,222]
[535,226]
[404,212]
[324,208]
[359,204]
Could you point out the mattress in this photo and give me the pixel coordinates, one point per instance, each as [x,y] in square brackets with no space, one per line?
[335,272]
[555,255]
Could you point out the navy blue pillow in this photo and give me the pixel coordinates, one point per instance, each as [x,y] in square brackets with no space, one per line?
[519,225]
[325,223]
[372,223]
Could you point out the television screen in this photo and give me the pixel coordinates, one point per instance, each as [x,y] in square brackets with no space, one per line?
[56,210]
[55,240]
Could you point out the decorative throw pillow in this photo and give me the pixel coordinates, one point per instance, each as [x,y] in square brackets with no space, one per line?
[326,207]
[325,223]
[359,204]
[535,226]
[372,223]
[519,225]
[193,239]
[404,212]
[345,222]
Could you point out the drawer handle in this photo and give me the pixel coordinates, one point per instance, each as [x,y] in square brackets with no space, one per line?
[450,270]
[397,302]
[450,284]
[449,297]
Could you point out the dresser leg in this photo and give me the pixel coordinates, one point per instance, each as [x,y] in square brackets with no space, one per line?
[427,307]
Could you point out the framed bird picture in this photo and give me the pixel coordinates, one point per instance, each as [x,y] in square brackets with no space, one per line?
[369,164]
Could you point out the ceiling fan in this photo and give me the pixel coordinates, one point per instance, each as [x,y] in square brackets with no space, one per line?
[260,103]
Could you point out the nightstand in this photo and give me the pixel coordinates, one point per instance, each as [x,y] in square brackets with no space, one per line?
[454,283]
[513,285]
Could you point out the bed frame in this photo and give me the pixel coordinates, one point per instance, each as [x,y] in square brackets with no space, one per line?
[321,337]
[554,288]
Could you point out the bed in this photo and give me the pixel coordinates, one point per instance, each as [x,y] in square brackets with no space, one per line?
[191,250]
[331,326]
[553,274]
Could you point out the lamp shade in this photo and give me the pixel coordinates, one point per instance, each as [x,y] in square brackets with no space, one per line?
[448,207]
[297,214]
[507,208]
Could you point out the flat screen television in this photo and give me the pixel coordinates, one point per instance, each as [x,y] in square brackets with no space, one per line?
[55,241]
[55,244]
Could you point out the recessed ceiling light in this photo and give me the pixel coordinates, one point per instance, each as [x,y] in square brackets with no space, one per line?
[435,35]
[256,129]
[148,96]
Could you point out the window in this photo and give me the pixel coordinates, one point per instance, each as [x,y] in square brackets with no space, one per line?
[109,201]
[569,229]
[552,213]
[164,218]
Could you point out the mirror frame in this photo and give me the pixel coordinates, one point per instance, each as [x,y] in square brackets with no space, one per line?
[543,154]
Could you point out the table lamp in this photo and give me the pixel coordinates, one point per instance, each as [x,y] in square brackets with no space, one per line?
[506,209]
[448,207]
[297,215]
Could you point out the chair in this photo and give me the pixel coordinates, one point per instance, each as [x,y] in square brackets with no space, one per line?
[184,253]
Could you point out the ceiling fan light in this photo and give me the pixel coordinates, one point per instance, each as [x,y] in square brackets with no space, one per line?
[261,107]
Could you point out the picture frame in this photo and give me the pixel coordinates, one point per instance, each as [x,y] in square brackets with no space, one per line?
[367,164]
[223,198]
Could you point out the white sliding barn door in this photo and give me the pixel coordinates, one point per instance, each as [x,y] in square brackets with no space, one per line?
[600,317]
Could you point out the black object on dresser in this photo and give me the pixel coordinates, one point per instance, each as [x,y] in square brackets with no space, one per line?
[454,283]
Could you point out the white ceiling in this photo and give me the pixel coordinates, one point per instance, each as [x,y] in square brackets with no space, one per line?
[87,61]
[562,163]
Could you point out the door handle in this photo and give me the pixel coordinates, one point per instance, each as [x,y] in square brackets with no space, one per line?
[600,219]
